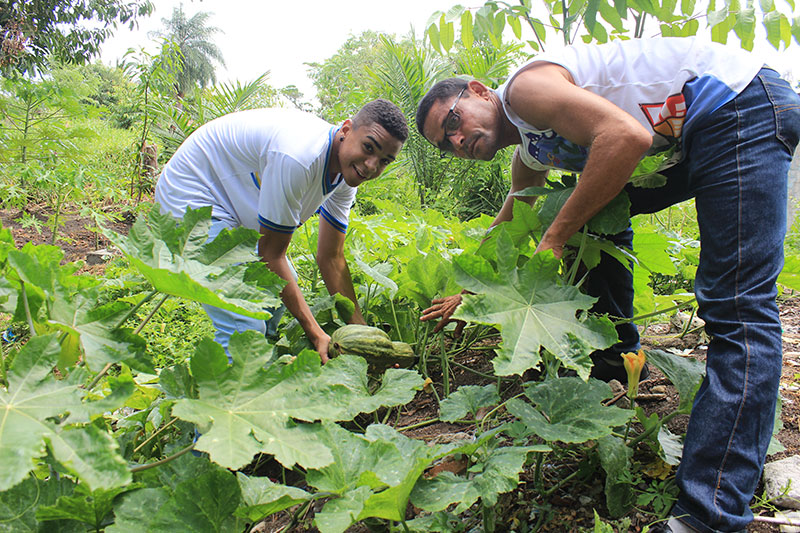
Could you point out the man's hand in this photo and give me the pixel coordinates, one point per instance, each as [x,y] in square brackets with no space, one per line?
[443,308]
[321,345]
[547,244]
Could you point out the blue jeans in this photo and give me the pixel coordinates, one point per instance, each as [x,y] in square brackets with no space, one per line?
[735,166]
[226,323]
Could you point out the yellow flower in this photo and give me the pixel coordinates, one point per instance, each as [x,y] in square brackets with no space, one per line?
[633,362]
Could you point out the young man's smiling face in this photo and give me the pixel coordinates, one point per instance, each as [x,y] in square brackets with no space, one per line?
[365,151]
[466,125]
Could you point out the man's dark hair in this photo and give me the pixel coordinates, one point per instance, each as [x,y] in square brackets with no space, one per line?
[386,114]
[441,91]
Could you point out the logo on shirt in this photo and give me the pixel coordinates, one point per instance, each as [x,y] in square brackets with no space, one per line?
[667,118]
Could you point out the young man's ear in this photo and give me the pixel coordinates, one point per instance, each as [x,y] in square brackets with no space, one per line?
[346,128]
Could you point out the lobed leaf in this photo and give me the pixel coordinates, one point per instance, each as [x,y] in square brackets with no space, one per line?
[533,311]
[468,399]
[178,259]
[568,410]
[244,408]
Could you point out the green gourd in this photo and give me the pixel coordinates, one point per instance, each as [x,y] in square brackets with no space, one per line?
[373,344]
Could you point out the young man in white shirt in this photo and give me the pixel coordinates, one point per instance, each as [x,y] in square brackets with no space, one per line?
[270,170]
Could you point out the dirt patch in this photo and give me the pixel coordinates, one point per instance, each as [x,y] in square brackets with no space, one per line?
[76,235]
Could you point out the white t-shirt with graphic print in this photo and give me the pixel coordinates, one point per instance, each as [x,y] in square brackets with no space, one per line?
[258,168]
[666,84]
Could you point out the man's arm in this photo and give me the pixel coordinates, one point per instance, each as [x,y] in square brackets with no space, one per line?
[545,96]
[522,177]
[333,266]
[272,249]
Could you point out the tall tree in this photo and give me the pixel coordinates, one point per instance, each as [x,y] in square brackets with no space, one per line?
[194,38]
[69,30]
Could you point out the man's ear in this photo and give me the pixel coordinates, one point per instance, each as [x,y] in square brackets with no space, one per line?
[346,128]
[481,90]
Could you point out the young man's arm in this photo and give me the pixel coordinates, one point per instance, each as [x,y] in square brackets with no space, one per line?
[272,248]
[522,177]
[333,265]
[545,96]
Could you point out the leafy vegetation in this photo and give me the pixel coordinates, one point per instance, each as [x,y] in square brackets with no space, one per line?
[120,412]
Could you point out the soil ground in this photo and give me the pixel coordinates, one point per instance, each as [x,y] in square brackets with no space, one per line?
[571,509]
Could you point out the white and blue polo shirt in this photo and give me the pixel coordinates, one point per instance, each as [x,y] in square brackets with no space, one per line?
[258,168]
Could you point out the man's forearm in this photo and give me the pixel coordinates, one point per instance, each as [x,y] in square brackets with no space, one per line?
[603,178]
[293,298]
[337,278]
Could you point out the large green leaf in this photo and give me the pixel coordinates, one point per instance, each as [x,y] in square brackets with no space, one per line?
[532,309]
[19,504]
[177,260]
[32,397]
[90,507]
[568,410]
[202,503]
[685,373]
[498,473]
[244,408]
[373,474]
[261,497]
[790,275]
[468,399]
[612,219]
[615,458]
[650,249]
[96,330]
[521,228]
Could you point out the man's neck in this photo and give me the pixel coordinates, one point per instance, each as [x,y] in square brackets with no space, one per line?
[508,133]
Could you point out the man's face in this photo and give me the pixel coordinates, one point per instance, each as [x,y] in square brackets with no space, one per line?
[365,152]
[465,124]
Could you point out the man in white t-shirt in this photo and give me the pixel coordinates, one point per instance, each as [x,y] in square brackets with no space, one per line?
[597,110]
[272,169]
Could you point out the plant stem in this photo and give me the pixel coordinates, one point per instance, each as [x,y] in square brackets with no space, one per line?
[643,435]
[476,372]
[155,434]
[654,313]
[152,313]
[140,468]
[497,408]
[577,263]
[419,424]
[445,366]
[396,323]
[135,308]
[27,308]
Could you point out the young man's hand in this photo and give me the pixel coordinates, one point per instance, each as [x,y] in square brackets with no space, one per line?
[444,308]
[321,345]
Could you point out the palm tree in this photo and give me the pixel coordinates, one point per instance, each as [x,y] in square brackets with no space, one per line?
[194,38]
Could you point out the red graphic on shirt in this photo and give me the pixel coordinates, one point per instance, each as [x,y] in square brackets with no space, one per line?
[667,118]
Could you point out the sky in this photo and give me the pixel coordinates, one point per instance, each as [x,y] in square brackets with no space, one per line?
[281,36]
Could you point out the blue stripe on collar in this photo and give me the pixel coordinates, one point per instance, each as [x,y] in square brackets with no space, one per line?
[327,184]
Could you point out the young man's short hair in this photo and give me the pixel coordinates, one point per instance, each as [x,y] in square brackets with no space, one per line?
[386,114]
[441,91]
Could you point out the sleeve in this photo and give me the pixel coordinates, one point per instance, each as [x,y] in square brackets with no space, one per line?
[336,208]
[282,184]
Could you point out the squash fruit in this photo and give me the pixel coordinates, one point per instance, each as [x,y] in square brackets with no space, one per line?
[373,344]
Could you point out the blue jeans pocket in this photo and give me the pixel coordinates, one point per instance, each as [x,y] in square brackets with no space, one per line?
[786,104]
